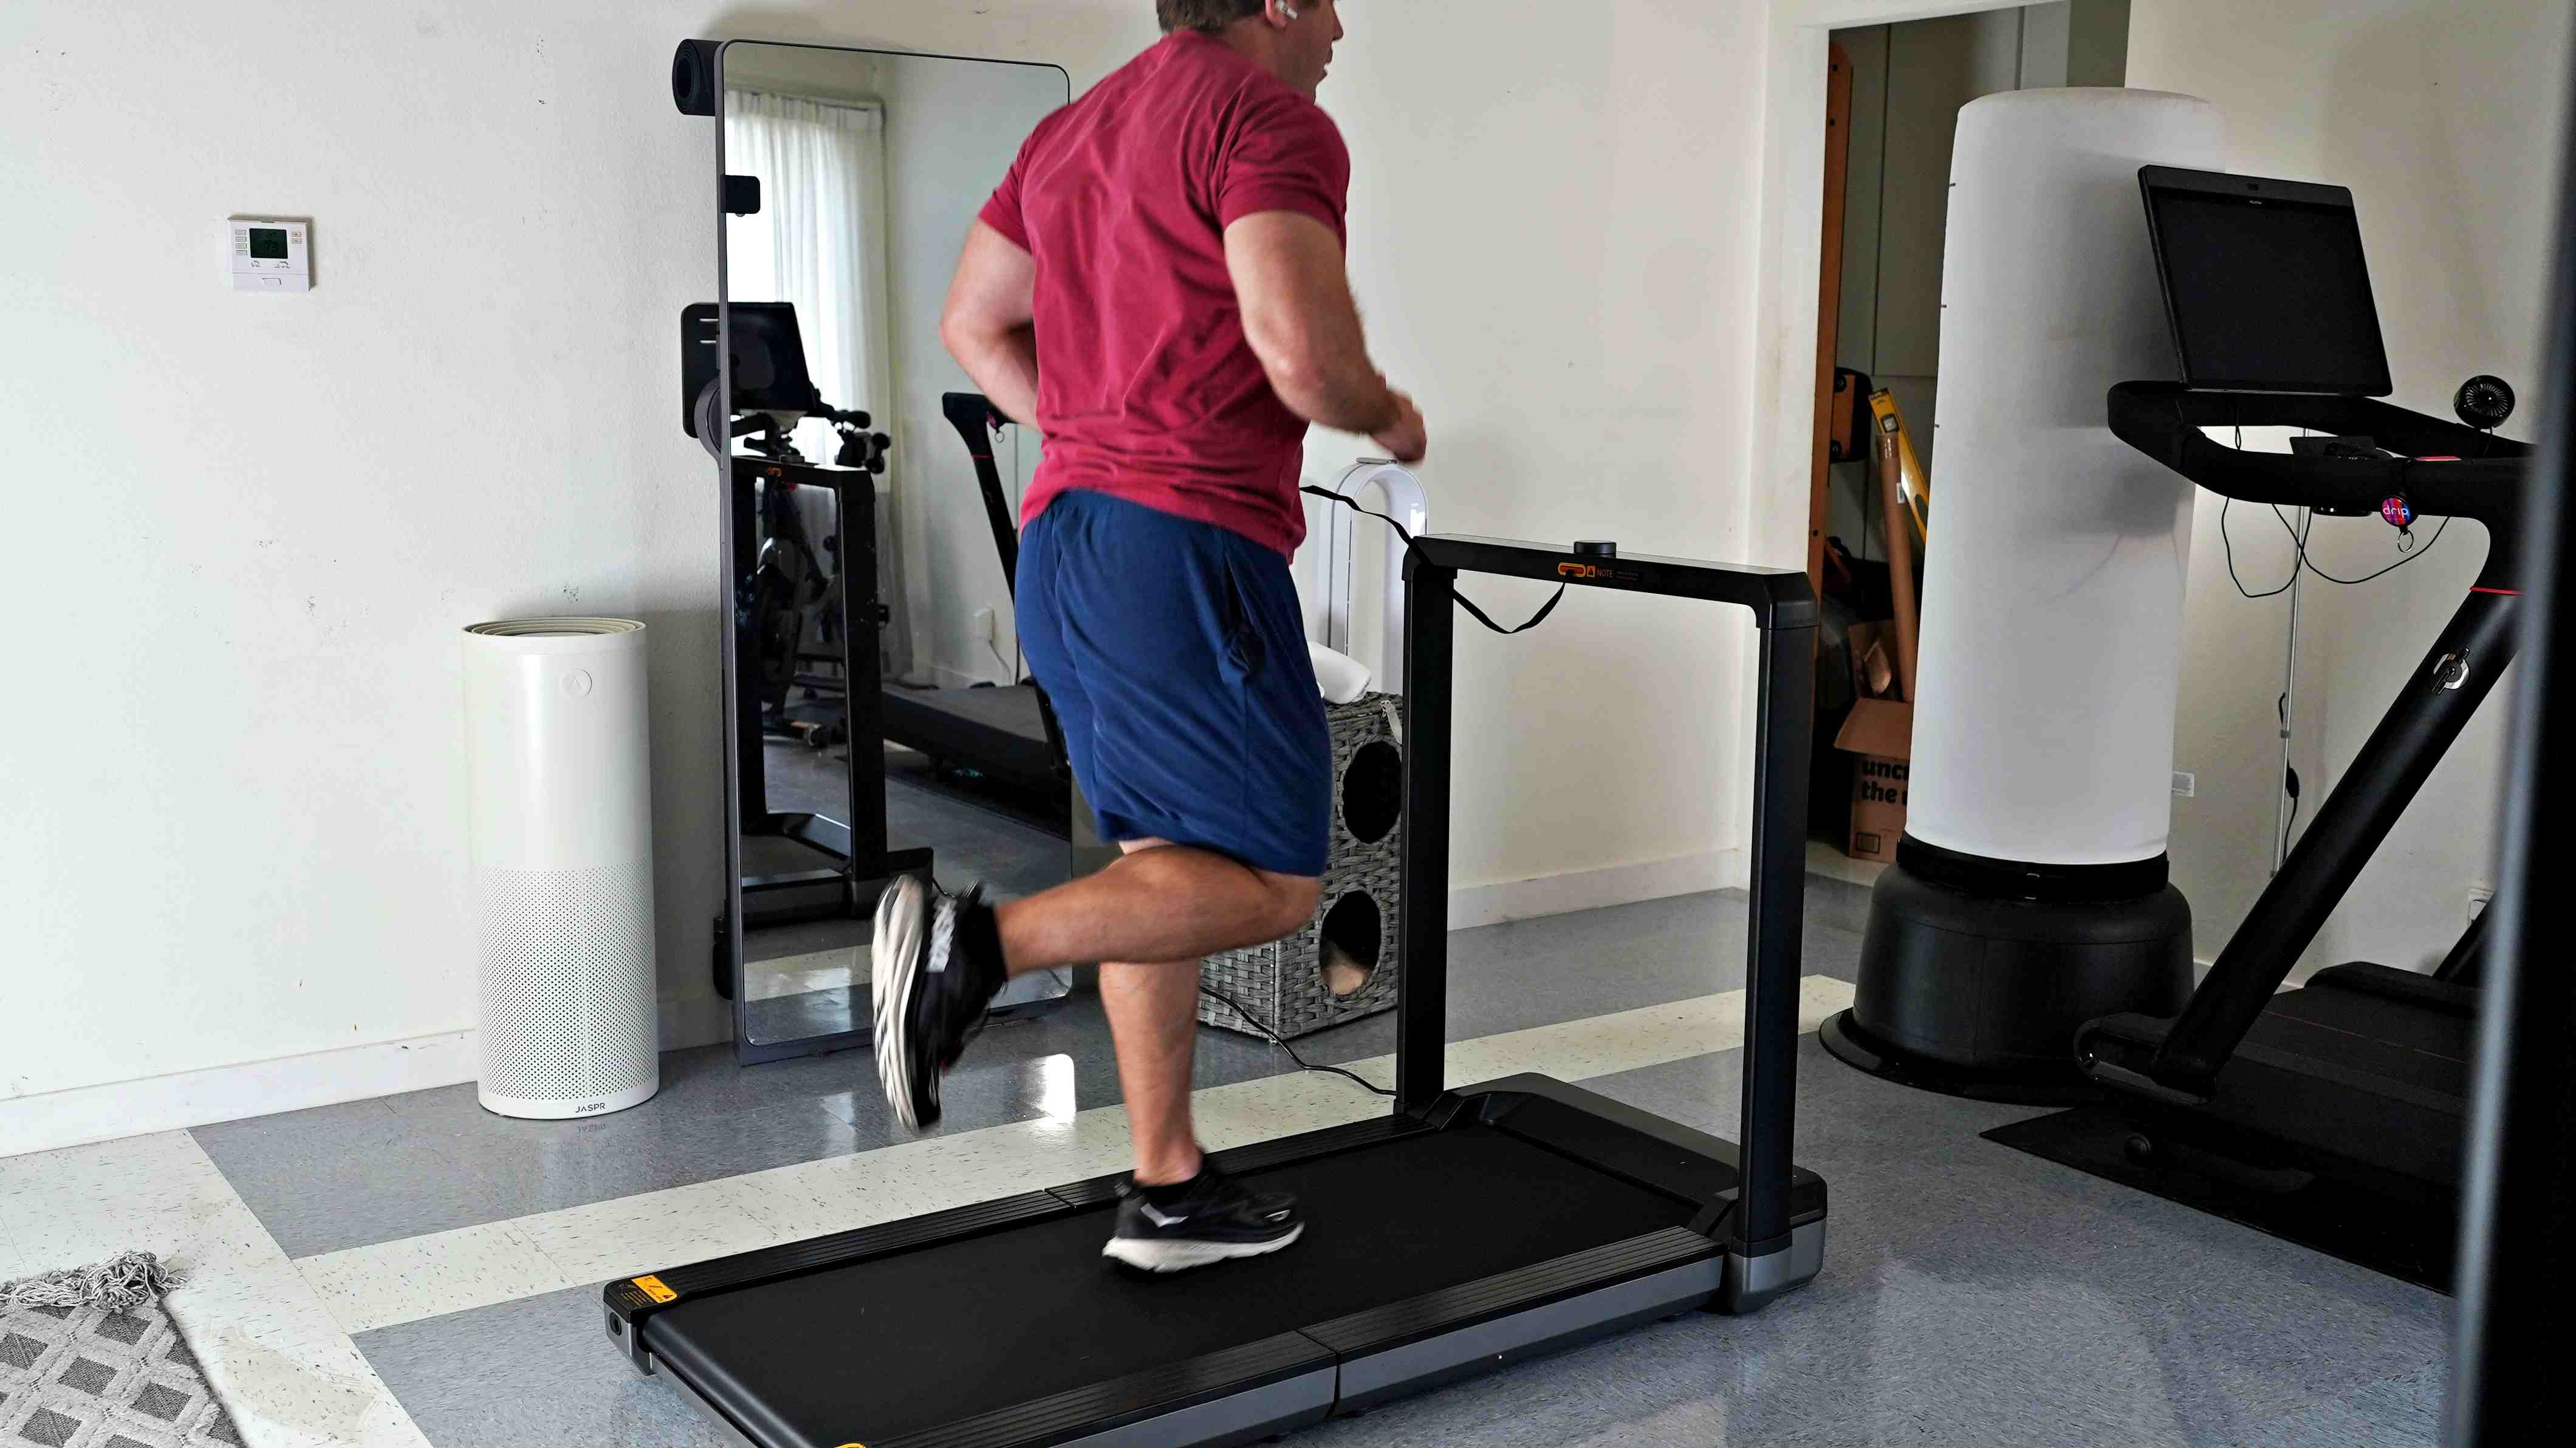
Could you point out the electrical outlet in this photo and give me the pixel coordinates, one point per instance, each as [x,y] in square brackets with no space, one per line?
[2185,783]
[984,625]
[2480,896]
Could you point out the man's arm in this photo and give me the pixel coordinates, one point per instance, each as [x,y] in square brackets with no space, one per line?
[990,322]
[1304,326]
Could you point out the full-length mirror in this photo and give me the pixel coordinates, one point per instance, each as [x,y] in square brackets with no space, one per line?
[882,721]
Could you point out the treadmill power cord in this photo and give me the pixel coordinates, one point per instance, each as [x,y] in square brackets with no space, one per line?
[1415,550]
[2299,536]
[1229,1002]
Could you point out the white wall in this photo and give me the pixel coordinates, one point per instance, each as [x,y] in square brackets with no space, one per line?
[1552,236]
[247,528]
[2445,124]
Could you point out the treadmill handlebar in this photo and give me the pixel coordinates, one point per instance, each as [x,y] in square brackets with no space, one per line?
[1784,607]
[1779,597]
[2164,421]
[974,416]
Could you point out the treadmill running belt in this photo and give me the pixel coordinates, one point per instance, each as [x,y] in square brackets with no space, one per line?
[880,1349]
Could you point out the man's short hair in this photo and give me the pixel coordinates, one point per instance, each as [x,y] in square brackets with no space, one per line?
[1204,16]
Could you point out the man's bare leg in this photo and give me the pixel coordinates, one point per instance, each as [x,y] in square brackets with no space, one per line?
[1153,1021]
[1162,902]
[1159,898]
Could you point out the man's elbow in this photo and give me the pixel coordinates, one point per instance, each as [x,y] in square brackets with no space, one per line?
[957,335]
[1298,370]
[1301,383]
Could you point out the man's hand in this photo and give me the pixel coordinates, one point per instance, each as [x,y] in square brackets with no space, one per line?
[1300,319]
[1405,440]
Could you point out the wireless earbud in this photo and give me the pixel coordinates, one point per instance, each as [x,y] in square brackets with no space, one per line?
[1288,10]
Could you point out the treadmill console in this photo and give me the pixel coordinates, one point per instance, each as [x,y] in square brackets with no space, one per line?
[2265,283]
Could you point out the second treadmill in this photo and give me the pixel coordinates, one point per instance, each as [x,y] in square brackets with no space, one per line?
[1005,732]
[2334,1114]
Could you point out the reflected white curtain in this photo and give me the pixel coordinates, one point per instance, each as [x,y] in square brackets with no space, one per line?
[818,240]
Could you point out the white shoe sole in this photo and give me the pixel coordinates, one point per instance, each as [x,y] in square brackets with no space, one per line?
[1152,1256]
[895,964]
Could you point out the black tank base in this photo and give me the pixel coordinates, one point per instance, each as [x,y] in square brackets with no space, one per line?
[1977,996]
[1852,1045]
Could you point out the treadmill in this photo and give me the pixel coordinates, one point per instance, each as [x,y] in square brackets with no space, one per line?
[1465,1230]
[1005,732]
[2332,1115]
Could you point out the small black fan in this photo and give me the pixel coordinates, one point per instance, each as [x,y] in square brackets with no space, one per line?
[2483,402]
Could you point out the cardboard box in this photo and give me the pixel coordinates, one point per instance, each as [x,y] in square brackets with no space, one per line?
[1880,735]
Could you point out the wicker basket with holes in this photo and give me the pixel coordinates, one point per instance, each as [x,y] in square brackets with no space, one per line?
[1342,964]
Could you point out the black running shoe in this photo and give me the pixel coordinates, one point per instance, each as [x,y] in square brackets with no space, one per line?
[1217,1219]
[938,965]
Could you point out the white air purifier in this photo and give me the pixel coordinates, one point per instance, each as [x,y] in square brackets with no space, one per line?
[560,802]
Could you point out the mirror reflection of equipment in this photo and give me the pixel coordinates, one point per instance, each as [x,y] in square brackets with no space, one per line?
[808,380]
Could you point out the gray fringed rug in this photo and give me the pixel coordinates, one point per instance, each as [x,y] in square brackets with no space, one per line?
[88,1359]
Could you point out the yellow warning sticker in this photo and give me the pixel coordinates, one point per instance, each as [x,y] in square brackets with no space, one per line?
[652,1287]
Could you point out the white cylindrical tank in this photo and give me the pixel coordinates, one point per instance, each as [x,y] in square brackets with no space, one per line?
[2030,892]
[2053,576]
[561,819]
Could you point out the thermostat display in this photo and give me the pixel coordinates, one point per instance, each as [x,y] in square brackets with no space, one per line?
[269,255]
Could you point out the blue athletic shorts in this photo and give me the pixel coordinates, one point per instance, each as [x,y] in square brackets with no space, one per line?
[1175,654]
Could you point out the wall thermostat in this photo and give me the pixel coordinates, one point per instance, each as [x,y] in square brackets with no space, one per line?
[269,254]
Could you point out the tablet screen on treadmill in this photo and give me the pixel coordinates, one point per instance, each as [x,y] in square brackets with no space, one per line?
[2265,283]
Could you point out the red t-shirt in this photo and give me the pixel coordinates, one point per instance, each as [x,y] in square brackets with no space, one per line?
[1146,387]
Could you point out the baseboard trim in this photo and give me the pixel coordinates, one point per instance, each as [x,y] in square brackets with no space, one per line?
[1475,905]
[118,1109]
[182,1099]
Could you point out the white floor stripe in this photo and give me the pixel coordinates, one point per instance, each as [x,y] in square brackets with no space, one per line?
[270,1349]
[422,1277]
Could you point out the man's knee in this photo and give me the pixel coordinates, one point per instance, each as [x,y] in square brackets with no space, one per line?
[1293,901]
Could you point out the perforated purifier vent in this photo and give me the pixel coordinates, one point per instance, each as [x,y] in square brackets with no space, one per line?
[568,983]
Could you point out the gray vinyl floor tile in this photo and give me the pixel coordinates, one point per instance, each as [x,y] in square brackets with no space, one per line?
[538,1168]
[341,1176]
[535,1371]
[428,1161]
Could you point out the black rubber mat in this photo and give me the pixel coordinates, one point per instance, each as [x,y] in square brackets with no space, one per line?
[2409,1237]
[885,1348]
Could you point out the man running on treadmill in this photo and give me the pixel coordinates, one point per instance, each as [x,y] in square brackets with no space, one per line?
[1158,284]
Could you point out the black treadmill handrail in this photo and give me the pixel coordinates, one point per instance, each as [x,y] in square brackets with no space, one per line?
[1779,597]
[2181,1058]
[2164,421]
[1785,612]
[975,418]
